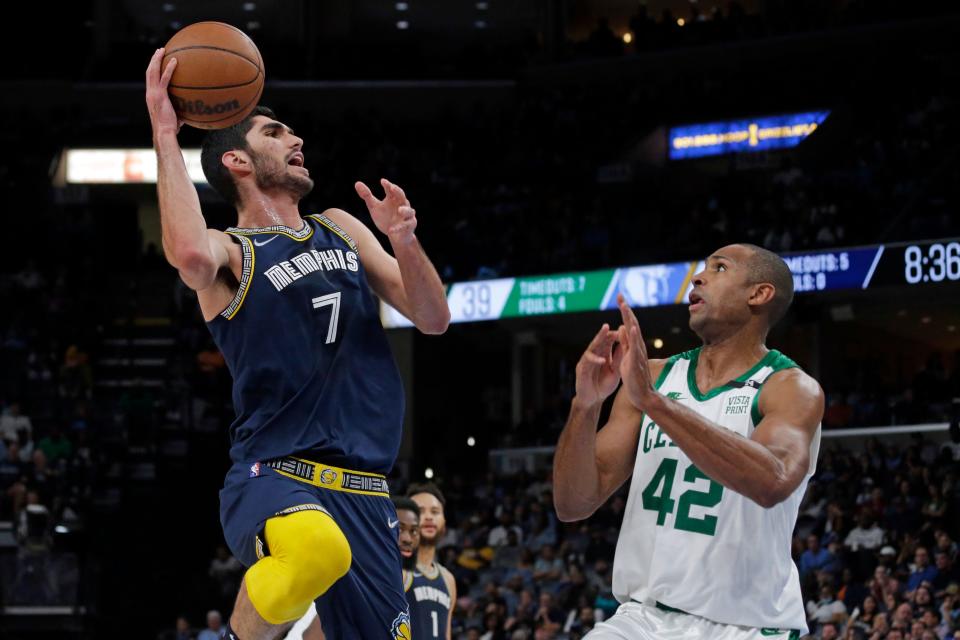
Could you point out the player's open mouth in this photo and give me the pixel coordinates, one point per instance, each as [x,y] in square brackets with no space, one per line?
[296,160]
[696,301]
[406,553]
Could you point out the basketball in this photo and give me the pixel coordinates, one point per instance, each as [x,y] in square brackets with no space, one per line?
[219,75]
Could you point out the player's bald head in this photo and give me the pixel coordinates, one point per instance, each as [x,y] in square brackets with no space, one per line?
[764,266]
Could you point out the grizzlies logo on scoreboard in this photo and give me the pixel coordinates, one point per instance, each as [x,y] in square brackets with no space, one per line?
[401,627]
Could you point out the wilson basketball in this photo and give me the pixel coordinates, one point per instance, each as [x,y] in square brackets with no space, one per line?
[219,75]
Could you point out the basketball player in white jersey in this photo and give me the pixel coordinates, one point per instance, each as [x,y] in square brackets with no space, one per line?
[720,442]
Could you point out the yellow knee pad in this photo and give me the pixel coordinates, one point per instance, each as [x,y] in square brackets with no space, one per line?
[308,553]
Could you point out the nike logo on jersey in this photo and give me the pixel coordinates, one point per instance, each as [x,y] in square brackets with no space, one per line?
[392,523]
[260,244]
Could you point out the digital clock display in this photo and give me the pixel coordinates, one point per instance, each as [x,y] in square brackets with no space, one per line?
[931,262]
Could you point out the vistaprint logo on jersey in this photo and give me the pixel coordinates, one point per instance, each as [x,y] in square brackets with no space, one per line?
[284,273]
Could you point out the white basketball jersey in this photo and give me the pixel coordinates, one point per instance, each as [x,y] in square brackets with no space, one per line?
[691,544]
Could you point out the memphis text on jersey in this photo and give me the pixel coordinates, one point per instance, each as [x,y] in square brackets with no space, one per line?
[431,594]
[285,272]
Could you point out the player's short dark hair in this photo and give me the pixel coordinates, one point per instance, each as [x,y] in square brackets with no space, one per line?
[427,487]
[766,266]
[403,502]
[217,142]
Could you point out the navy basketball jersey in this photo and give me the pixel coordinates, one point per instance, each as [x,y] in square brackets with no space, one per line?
[313,374]
[429,602]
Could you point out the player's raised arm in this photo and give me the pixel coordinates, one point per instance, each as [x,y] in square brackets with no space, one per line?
[407,280]
[196,253]
[768,466]
[588,465]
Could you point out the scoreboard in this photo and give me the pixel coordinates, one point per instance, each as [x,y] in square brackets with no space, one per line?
[924,263]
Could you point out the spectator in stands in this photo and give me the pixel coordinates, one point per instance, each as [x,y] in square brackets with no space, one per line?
[815,558]
[76,379]
[226,572]
[181,631]
[866,535]
[13,422]
[215,629]
[498,535]
[826,609]
[922,571]
[548,567]
[56,446]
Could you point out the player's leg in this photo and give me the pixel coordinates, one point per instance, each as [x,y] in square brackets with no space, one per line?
[368,602]
[308,553]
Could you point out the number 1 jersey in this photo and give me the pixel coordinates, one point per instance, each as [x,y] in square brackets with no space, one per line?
[313,374]
[691,544]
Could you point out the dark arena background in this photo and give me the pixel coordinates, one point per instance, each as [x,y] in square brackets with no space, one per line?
[558,152]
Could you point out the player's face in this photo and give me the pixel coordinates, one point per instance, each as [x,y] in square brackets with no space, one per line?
[409,538]
[721,291]
[432,521]
[277,157]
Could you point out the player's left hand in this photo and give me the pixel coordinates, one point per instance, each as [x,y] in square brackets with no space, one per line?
[393,215]
[635,366]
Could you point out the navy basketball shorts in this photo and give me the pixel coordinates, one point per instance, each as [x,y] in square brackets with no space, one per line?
[367,603]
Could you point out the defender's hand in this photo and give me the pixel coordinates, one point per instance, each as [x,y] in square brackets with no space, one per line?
[634,366]
[162,116]
[393,215]
[598,371]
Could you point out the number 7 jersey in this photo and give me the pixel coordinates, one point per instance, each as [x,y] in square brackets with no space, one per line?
[691,544]
[313,374]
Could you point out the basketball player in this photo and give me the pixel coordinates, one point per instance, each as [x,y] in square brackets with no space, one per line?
[432,593]
[720,442]
[288,299]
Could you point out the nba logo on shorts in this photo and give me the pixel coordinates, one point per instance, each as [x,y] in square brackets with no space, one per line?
[254,469]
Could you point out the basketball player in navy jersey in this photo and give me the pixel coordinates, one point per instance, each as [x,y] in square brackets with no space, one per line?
[432,593]
[319,402]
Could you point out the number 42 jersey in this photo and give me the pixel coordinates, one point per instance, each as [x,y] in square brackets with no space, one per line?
[691,544]
[313,374]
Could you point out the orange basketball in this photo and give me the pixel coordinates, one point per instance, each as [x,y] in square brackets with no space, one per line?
[219,75]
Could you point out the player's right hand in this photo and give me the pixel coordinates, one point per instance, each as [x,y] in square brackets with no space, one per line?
[598,371]
[162,116]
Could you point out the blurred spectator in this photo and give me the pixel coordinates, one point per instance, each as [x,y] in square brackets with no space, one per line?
[922,571]
[215,629]
[815,558]
[826,609]
[56,446]
[13,423]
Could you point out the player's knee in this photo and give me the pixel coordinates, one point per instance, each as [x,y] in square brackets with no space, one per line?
[324,555]
[308,554]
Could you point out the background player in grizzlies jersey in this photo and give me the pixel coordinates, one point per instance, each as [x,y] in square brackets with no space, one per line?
[319,403]
[720,442]
[433,592]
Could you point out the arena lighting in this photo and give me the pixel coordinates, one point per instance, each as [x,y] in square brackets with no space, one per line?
[402,6]
[899,264]
[249,6]
[657,343]
[402,24]
[681,22]
[471,441]
[61,529]
[121,166]
[428,473]
[627,37]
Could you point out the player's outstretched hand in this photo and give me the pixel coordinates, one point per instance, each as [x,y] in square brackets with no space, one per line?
[162,116]
[634,365]
[393,215]
[598,371]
